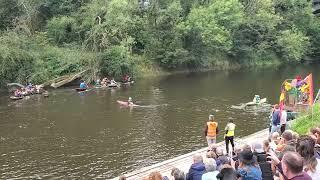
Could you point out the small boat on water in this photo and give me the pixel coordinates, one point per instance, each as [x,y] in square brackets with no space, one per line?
[125,103]
[113,85]
[16,98]
[80,89]
[255,103]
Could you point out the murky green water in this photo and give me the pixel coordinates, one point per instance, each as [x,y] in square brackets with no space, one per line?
[89,136]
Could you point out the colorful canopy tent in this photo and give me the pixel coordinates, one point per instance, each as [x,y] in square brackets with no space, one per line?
[295,92]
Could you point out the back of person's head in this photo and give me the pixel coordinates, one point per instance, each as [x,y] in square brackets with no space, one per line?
[227,173]
[211,154]
[288,148]
[257,147]
[210,164]
[266,145]
[305,146]
[231,120]
[155,176]
[276,106]
[177,174]
[275,136]
[219,151]
[295,136]
[293,162]
[246,158]
[246,147]
[287,135]
[197,158]
[122,178]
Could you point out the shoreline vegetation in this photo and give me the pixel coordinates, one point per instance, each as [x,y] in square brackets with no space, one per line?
[41,40]
[307,120]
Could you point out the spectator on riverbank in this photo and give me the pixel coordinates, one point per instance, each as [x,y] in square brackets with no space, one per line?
[155,176]
[227,173]
[275,120]
[261,157]
[211,130]
[291,166]
[286,139]
[122,178]
[248,167]
[197,169]
[274,140]
[305,147]
[283,121]
[229,135]
[211,169]
[176,174]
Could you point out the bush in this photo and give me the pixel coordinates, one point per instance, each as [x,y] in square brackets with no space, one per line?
[116,62]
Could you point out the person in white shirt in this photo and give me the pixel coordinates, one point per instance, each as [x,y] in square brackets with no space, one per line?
[283,120]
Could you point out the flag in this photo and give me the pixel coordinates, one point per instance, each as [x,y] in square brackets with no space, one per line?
[309,81]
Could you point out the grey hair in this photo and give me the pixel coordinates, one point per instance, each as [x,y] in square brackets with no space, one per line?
[211,117]
[257,147]
[210,164]
[197,158]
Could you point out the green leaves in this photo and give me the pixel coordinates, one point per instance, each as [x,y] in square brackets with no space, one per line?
[293,44]
[216,22]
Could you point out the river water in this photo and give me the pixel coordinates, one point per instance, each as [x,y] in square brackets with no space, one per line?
[87,135]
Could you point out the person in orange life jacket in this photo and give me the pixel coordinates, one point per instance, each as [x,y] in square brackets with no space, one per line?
[211,130]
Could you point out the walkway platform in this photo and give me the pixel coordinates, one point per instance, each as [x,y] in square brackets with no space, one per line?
[184,162]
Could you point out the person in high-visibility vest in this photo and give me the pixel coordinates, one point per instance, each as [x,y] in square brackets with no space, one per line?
[229,136]
[211,130]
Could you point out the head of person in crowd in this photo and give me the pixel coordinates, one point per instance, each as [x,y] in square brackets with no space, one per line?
[292,164]
[219,151]
[257,147]
[246,147]
[177,174]
[276,106]
[246,158]
[227,173]
[155,176]
[305,147]
[197,158]
[122,178]
[275,137]
[211,154]
[213,147]
[266,146]
[286,149]
[210,164]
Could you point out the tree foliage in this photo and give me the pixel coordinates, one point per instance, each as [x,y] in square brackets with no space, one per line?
[42,39]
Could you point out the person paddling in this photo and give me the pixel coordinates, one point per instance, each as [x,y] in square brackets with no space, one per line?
[130,102]
[83,85]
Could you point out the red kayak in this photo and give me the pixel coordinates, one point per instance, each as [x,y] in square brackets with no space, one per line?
[80,89]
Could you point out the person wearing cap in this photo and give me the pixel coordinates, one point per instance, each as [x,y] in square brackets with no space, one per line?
[211,130]
[248,167]
[229,136]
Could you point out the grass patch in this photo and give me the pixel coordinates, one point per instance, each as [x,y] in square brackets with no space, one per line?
[307,121]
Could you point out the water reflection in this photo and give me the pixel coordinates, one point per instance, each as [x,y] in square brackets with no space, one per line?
[88,135]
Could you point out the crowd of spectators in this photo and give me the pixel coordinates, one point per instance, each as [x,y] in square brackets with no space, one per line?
[283,155]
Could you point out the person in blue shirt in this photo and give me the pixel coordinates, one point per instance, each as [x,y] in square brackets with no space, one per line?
[83,85]
[248,167]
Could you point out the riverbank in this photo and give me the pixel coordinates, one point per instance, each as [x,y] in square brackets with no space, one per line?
[184,162]
[307,120]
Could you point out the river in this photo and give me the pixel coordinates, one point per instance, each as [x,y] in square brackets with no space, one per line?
[87,135]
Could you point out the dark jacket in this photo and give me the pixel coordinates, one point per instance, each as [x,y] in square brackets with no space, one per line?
[276,117]
[265,167]
[196,171]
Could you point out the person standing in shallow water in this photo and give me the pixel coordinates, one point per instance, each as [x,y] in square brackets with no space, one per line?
[229,136]
[211,130]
